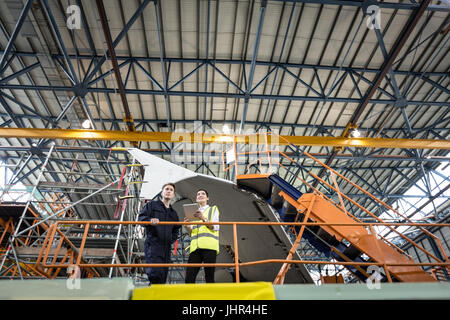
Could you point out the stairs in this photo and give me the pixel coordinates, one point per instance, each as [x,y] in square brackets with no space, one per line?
[341,242]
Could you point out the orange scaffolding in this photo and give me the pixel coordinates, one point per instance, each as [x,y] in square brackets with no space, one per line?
[73,256]
[320,208]
[58,252]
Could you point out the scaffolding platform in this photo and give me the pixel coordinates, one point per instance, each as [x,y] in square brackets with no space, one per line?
[60,289]
[12,212]
[124,289]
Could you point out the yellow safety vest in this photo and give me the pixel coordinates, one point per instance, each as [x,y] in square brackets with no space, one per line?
[202,237]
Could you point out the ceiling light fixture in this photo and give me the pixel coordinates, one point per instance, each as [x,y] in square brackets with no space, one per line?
[226,129]
[355,133]
[86,124]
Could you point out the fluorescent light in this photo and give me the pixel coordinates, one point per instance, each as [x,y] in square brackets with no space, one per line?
[86,124]
[226,129]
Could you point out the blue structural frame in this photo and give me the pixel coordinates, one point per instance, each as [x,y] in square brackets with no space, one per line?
[14,35]
[223,95]
[94,83]
[388,5]
[243,93]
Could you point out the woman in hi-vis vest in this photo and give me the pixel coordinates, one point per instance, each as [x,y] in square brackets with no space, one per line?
[204,245]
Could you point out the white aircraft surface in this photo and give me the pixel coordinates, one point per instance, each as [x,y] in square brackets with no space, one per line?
[254,242]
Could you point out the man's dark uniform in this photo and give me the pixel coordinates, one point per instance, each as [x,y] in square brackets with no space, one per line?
[159,238]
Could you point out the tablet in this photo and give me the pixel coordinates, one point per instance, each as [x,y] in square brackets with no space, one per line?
[190,209]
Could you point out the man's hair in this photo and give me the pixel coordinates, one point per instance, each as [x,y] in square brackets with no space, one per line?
[203,190]
[169,184]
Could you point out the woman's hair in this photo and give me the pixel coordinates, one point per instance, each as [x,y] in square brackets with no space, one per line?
[204,191]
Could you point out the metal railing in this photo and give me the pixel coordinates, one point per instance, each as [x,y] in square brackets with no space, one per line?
[332,185]
[49,264]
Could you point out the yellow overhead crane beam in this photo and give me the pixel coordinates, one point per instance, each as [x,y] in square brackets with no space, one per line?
[76,134]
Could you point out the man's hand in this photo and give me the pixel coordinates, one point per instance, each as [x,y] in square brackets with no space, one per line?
[188,227]
[154,221]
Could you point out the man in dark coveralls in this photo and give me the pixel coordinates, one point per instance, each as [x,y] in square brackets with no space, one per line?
[159,238]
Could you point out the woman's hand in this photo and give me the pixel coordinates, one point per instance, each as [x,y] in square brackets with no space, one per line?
[198,214]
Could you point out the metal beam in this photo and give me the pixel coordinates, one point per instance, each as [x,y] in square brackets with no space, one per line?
[140,122]
[14,35]
[162,63]
[17,74]
[122,33]
[74,134]
[106,74]
[226,95]
[437,85]
[64,110]
[128,118]
[246,97]
[234,62]
[162,152]
[60,42]
[23,66]
[398,45]
[413,5]
[15,118]
[387,64]
[25,107]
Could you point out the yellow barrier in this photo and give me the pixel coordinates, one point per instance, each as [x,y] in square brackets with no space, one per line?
[210,291]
